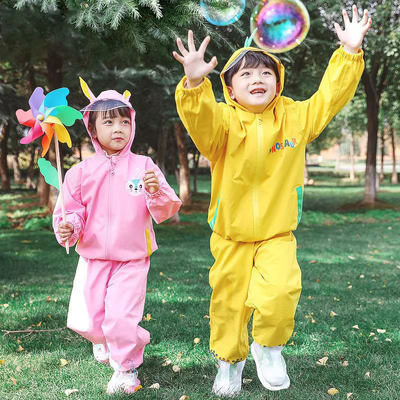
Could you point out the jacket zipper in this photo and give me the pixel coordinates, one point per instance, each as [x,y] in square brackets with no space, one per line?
[112,172]
[260,140]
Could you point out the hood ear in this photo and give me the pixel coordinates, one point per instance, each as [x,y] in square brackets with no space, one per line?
[127,94]
[230,91]
[86,91]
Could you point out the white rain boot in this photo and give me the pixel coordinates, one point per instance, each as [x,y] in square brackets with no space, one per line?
[271,366]
[101,354]
[124,381]
[228,381]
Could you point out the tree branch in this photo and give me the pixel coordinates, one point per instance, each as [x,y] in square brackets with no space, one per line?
[30,331]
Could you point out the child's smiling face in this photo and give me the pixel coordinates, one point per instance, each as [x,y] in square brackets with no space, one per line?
[254,87]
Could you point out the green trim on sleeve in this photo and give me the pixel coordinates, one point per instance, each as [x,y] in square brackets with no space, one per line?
[300,193]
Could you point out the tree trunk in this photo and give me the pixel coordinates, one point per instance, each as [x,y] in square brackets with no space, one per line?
[162,149]
[184,173]
[352,168]
[382,173]
[30,184]
[16,168]
[395,178]
[372,127]
[4,175]
[337,165]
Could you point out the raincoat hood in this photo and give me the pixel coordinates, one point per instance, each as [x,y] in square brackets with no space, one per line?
[236,57]
[117,98]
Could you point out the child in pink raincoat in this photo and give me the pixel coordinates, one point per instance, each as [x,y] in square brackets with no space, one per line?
[109,201]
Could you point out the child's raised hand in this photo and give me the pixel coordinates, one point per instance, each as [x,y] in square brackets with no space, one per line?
[193,60]
[353,34]
[65,230]
[151,183]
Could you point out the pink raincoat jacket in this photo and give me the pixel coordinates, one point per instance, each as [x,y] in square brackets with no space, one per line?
[107,203]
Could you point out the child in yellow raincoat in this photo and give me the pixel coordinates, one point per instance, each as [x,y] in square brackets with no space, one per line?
[256,144]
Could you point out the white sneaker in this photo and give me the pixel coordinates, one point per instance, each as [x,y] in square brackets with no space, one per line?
[124,381]
[101,354]
[271,366]
[228,381]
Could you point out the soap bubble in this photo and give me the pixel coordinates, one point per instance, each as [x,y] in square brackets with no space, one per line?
[222,12]
[282,24]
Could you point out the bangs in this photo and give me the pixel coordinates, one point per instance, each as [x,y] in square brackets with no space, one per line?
[116,112]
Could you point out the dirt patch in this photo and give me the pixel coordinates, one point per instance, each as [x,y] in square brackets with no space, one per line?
[378,205]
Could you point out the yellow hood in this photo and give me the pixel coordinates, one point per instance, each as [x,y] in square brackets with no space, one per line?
[236,57]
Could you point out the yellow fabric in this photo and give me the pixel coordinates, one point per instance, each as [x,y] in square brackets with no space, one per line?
[263,277]
[257,160]
[148,241]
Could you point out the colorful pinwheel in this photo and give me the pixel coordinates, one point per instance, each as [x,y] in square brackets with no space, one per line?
[47,117]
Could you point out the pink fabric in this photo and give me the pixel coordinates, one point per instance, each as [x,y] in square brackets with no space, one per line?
[106,306]
[105,200]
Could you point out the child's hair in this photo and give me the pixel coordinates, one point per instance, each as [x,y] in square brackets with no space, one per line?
[115,112]
[252,59]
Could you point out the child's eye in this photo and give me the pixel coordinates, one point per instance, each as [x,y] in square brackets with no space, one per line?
[244,74]
[126,122]
[266,73]
[107,122]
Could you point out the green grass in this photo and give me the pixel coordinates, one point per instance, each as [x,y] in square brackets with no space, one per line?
[350,264]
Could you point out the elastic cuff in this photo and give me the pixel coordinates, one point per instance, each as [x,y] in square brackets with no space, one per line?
[350,56]
[153,195]
[196,90]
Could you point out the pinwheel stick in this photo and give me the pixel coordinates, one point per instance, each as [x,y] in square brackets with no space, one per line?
[60,184]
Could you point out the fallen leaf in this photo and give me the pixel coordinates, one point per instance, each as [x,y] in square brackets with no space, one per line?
[14,381]
[336,299]
[179,355]
[332,314]
[246,381]
[381,330]
[333,391]
[2,362]
[70,391]
[388,340]
[175,368]
[206,317]
[163,301]
[348,395]
[147,317]
[355,327]
[63,362]
[166,362]
[161,273]
[196,340]
[350,287]
[309,297]
[184,398]
[351,257]
[292,344]
[345,364]
[333,328]
[155,386]
[368,374]
[371,334]
[322,361]
[19,341]
[49,299]
[26,241]
[6,305]
[362,276]
[20,348]
[312,261]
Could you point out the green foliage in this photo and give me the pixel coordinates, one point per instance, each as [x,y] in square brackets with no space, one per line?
[33,224]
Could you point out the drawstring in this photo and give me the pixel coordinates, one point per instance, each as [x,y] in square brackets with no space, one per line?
[112,164]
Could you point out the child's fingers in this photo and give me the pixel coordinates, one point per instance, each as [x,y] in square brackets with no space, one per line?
[345,17]
[181,47]
[204,44]
[355,14]
[338,29]
[213,63]
[366,27]
[191,45]
[364,20]
[178,57]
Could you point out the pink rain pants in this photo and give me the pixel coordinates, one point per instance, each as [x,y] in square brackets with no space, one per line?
[106,306]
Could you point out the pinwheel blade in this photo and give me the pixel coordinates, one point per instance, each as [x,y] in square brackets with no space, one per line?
[36,100]
[25,118]
[56,98]
[49,172]
[33,134]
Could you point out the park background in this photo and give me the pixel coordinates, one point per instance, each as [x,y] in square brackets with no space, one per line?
[346,336]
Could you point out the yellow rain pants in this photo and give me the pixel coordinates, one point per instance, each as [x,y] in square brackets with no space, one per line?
[261,277]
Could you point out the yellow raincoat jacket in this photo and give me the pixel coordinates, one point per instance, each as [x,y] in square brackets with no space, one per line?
[257,159]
